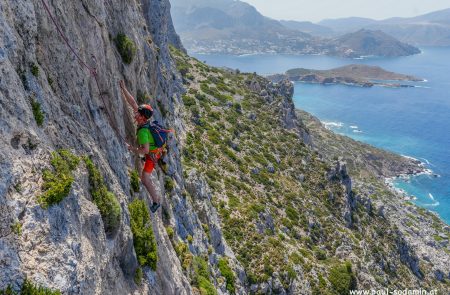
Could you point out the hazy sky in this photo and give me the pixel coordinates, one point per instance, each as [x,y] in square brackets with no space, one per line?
[316,10]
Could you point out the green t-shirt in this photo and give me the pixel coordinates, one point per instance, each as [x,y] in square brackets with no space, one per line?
[145,136]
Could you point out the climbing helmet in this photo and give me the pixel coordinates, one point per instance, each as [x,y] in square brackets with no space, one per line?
[145,110]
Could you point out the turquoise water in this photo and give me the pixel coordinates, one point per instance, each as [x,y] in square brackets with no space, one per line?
[409,121]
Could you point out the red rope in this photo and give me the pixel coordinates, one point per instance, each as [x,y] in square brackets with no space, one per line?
[92,70]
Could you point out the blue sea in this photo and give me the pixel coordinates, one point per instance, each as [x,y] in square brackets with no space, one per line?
[410,121]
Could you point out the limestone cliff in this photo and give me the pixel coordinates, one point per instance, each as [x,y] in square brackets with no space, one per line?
[65,247]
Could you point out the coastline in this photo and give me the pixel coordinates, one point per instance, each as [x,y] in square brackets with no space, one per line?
[390,181]
[419,167]
[363,158]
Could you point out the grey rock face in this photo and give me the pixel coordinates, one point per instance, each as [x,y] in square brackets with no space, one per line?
[64,247]
[408,257]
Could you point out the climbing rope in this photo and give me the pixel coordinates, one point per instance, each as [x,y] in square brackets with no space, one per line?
[92,70]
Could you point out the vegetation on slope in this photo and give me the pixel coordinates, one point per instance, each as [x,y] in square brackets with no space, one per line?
[281,205]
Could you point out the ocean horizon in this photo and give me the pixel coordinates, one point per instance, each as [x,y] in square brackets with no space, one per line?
[413,122]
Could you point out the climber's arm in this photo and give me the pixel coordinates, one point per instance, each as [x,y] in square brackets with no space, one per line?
[127,96]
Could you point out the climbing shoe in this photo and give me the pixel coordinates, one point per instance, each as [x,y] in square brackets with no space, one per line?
[154,207]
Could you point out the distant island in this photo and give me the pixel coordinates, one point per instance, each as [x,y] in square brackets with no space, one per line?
[352,75]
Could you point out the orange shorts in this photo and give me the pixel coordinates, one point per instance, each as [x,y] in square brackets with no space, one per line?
[150,161]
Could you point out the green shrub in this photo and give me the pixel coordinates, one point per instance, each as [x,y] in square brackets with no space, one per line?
[233,201]
[50,81]
[181,249]
[320,254]
[18,187]
[58,182]
[138,276]
[188,100]
[16,227]
[227,272]
[292,274]
[183,67]
[230,154]
[297,259]
[105,200]
[143,238]
[200,277]
[342,279]
[126,47]
[256,209]
[169,184]
[134,181]
[170,232]
[28,288]
[34,69]
[292,213]
[8,291]
[200,97]
[37,112]
[184,255]
[205,286]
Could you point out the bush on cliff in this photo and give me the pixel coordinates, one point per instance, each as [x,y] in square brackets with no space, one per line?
[143,238]
[28,288]
[57,182]
[227,272]
[200,276]
[105,200]
[126,47]
[37,112]
[134,181]
[341,278]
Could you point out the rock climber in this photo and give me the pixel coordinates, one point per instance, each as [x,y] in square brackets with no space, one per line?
[147,147]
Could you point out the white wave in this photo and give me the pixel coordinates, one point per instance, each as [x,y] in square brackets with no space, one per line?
[247,54]
[417,86]
[431,196]
[411,158]
[354,127]
[426,161]
[435,204]
[329,125]
[357,131]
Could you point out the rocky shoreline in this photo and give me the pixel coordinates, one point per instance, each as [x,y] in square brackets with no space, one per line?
[407,175]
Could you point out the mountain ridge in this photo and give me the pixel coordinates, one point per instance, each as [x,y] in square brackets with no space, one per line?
[431,29]
[241,29]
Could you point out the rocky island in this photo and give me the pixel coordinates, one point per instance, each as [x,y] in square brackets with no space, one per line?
[352,75]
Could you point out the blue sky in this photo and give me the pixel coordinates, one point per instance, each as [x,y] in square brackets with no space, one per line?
[316,10]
